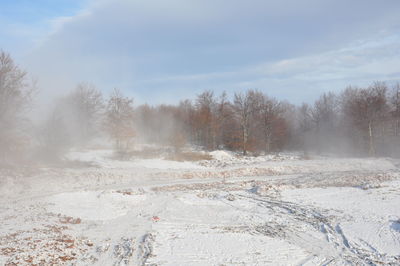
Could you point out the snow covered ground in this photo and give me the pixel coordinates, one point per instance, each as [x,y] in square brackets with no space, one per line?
[232,210]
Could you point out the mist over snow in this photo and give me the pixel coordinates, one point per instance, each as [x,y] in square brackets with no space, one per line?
[199,132]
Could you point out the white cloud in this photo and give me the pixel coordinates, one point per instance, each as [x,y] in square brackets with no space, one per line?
[165,48]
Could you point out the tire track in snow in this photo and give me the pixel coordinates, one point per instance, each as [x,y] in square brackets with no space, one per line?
[336,248]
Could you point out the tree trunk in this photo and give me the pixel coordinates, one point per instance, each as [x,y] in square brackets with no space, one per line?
[371,141]
[267,144]
[383,136]
[245,136]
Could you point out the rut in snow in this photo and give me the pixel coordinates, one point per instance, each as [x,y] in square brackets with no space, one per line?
[145,249]
[336,248]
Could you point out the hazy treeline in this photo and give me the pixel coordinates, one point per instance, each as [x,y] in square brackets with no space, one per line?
[357,121]
[252,121]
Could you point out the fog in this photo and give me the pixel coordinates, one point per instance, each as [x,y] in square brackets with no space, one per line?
[149,132]
[355,122]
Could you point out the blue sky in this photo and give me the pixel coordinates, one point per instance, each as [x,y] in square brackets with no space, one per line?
[163,51]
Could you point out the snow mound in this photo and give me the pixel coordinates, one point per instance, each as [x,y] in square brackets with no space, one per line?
[221,155]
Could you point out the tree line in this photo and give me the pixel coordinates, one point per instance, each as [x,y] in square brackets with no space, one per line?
[357,121]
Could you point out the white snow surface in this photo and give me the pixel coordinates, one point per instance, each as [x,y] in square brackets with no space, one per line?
[233,210]
[104,159]
[93,205]
[373,216]
[221,155]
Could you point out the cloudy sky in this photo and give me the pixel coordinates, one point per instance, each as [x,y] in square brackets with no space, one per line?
[163,51]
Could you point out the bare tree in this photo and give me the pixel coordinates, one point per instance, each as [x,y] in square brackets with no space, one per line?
[270,111]
[187,116]
[15,98]
[324,118]
[245,106]
[85,106]
[304,127]
[177,139]
[119,120]
[205,105]
[223,115]
[366,108]
[53,136]
[395,106]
